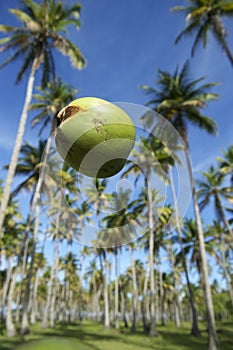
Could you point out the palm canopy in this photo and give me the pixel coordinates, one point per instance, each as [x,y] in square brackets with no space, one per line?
[213,187]
[191,243]
[180,100]
[49,101]
[203,16]
[226,163]
[44,28]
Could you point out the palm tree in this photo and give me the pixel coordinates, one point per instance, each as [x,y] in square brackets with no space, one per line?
[152,157]
[204,16]
[30,164]
[180,100]
[115,234]
[43,30]
[212,186]
[226,163]
[220,251]
[69,264]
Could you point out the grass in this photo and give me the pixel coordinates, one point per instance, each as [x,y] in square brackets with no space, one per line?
[91,336]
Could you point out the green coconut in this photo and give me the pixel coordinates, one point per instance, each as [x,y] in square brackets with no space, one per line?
[94,136]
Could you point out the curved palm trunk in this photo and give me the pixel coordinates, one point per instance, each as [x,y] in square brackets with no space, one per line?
[195,330]
[212,334]
[18,144]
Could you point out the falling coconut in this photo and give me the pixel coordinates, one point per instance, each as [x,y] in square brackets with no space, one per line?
[94,136]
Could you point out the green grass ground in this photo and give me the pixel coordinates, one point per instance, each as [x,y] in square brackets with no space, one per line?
[90,336]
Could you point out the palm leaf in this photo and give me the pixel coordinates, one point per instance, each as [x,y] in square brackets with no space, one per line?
[68,49]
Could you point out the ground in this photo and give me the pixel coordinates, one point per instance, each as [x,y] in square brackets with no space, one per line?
[90,336]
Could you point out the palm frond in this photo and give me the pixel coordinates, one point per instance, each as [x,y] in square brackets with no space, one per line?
[68,49]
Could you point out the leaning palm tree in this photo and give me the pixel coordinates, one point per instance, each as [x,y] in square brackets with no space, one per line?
[204,16]
[43,30]
[181,100]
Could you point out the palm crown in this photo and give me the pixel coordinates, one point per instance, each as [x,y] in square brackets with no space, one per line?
[180,99]
[203,16]
[44,28]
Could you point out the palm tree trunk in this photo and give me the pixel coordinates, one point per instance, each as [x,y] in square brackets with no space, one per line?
[213,343]
[135,291]
[25,324]
[145,304]
[34,310]
[22,272]
[106,300]
[153,332]
[18,144]
[50,287]
[176,304]
[54,284]
[195,330]
[117,325]
[174,274]
[10,328]
[5,289]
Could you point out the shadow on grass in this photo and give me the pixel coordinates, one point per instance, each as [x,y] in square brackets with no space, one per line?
[92,336]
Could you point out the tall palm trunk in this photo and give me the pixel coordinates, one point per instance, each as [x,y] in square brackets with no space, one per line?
[117,325]
[145,303]
[174,278]
[18,144]
[106,300]
[212,334]
[34,310]
[135,290]
[50,293]
[25,324]
[153,332]
[10,328]
[5,289]
[22,272]
[195,330]
[54,289]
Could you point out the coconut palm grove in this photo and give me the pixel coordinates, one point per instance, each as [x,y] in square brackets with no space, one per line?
[142,259]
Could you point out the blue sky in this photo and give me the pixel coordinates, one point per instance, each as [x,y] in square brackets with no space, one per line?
[125,43]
